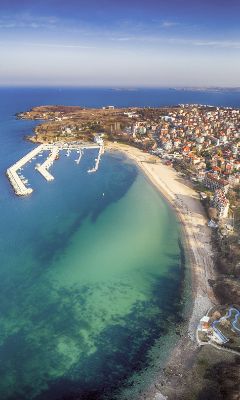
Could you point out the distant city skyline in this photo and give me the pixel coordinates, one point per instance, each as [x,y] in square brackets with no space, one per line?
[129,43]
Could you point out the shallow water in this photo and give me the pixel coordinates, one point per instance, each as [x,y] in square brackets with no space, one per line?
[90,284]
[87,281]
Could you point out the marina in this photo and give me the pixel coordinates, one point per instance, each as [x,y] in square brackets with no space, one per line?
[18,181]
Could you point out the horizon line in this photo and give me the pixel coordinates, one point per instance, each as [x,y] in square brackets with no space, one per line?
[118,87]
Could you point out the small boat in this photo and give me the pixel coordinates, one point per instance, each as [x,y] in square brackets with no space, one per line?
[103,194]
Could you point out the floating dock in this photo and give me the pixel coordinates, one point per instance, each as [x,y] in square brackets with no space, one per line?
[18,182]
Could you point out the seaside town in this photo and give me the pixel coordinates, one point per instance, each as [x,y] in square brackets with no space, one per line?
[191,153]
[202,143]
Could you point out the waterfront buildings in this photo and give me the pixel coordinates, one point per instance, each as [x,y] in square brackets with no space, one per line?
[221,203]
[201,141]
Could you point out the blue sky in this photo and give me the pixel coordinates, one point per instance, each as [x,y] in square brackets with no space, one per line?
[120,43]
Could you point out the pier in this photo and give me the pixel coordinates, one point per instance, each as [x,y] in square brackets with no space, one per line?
[80,156]
[101,151]
[12,172]
[43,169]
[18,182]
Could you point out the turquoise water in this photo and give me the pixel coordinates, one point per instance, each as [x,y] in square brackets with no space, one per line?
[90,284]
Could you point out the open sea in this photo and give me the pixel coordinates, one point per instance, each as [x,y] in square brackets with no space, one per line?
[92,269]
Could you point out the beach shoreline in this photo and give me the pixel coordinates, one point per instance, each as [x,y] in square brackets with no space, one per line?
[196,236]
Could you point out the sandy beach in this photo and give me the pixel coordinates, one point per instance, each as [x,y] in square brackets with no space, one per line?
[197,244]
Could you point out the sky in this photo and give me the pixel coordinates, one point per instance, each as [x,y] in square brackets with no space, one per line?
[120,43]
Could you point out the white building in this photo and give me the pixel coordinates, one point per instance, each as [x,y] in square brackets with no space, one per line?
[221,203]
